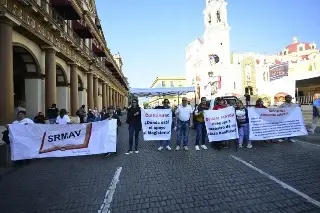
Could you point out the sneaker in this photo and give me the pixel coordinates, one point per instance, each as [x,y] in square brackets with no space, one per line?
[107,155]
[177,148]
[280,140]
[186,148]
[204,146]
[249,146]
[168,148]
[160,148]
[137,151]
[115,153]
[129,152]
[240,146]
[197,148]
[292,140]
[310,132]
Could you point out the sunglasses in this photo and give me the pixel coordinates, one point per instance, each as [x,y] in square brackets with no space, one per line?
[184,100]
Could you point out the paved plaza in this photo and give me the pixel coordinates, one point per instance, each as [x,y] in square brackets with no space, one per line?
[267,178]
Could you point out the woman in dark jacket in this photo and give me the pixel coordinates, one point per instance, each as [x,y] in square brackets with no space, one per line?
[134,121]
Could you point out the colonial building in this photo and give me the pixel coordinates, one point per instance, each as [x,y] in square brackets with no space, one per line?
[167,82]
[216,71]
[55,51]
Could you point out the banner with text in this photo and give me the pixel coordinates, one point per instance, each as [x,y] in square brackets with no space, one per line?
[51,140]
[268,124]
[156,124]
[221,124]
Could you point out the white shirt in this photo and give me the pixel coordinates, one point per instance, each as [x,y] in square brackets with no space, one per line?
[64,120]
[184,112]
[24,121]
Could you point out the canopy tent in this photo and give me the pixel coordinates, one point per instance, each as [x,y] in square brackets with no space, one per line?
[149,92]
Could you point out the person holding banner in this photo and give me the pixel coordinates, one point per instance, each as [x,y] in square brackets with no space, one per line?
[63,117]
[220,104]
[183,123]
[200,126]
[167,142]
[287,104]
[315,113]
[243,124]
[112,115]
[134,121]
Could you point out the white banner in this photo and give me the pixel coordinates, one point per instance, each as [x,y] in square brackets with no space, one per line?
[51,140]
[156,124]
[274,123]
[221,124]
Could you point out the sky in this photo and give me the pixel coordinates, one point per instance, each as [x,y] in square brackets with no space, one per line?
[151,35]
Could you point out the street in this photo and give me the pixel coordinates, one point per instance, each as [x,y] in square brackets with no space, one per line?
[267,178]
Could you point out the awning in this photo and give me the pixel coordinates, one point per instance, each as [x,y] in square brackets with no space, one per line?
[149,92]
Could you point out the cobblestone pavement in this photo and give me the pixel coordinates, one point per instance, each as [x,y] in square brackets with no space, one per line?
[153,181]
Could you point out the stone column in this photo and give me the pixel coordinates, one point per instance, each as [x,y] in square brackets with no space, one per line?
[95,91]
[74,99]
[6,74]
[110,96]
[104,94]
[107,96]
[90,90]
[50,77]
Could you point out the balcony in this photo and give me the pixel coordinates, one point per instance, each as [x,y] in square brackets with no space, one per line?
[97,49]
[66,9]
[82,29]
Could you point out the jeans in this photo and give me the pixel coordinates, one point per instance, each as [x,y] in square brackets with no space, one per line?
[313,125]
[201,132]
[165,143]
[52,120]
[244,133]
[183,128]
[133,131]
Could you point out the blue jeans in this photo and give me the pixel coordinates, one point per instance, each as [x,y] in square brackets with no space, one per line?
[133,131]
[183,128]
[165,143]
[201,132]
[52,120]
[244,133]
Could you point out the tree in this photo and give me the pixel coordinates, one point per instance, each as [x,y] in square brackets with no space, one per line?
[145,105]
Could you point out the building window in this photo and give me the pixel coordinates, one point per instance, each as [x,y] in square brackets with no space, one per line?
[300,48]
[285,53]
[234,85]
[163,84]
[179,83]
[171,84]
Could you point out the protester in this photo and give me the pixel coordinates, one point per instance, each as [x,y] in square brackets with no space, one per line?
[96,114]
[91,116]
[200,126]
[104,114]
[287,104]
[220,104]
[134,121]
[63,117]
[111,115]
[259,103]
[243,124]
[81,113]
[194,119]
[53,112]
[39,119]
[315,113]
[247,97]
[165,143]
[183,123]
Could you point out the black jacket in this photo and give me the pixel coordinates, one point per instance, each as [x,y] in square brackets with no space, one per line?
[133,120]
[243,120]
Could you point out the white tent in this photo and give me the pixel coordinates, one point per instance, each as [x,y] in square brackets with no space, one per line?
[149,92]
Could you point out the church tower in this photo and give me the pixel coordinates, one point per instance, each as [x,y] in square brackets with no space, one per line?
[217,30]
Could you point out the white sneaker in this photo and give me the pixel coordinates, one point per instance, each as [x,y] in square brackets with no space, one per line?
[136,151]
[129,152]
[280,140]
[204,147]
[177,148]
[186,148]
[240,146]
[168,148]
[160,148]
[249,146]
[197,148]
[292,140]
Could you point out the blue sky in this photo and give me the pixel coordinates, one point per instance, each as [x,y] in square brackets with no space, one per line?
[151,35]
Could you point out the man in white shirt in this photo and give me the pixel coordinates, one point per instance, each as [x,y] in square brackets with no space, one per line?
[183,123]
[21,118]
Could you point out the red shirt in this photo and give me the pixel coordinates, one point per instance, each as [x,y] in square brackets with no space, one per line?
[217,107]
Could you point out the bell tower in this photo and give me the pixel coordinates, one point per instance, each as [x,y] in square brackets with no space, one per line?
[217,30]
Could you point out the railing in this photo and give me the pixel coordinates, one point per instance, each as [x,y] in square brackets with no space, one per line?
[305,100]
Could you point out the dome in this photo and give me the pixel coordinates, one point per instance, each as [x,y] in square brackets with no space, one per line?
[297,46]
